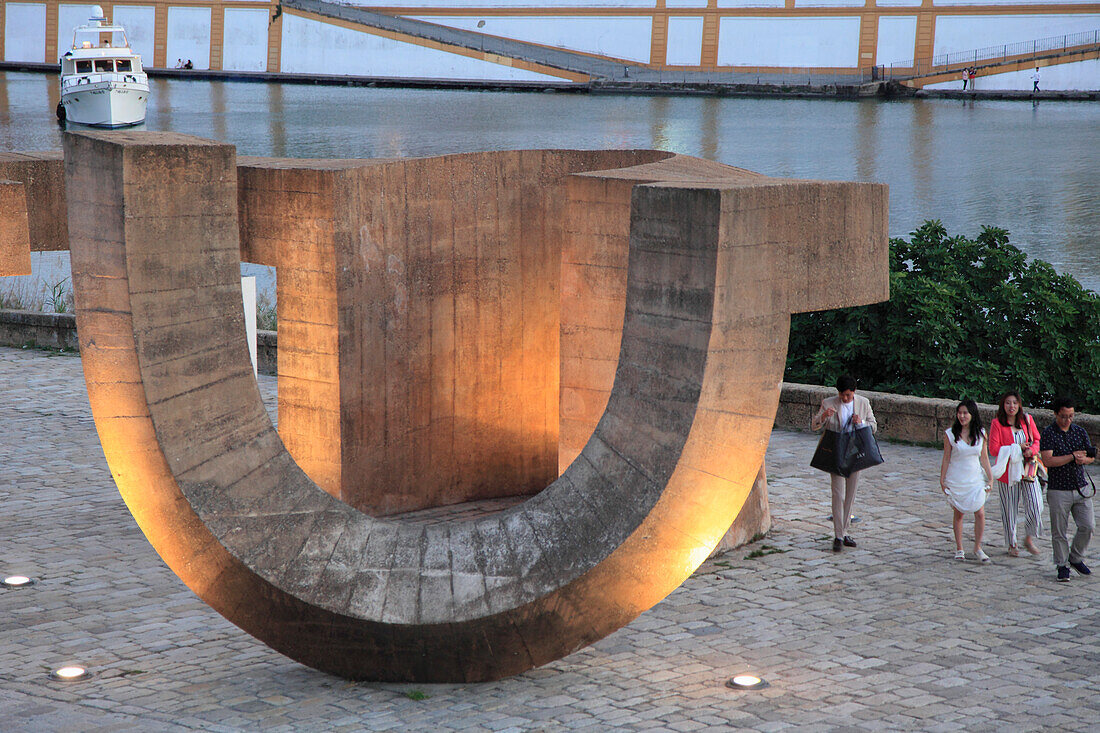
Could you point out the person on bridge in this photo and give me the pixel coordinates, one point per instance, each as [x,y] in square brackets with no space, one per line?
[1035,80]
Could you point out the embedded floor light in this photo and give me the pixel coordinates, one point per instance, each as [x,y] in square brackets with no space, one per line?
[746,682]
[69,673]
[17,581]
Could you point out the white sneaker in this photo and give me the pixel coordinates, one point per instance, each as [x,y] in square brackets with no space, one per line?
[960,555]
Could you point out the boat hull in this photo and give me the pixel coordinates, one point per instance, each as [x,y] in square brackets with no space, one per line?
[106,103]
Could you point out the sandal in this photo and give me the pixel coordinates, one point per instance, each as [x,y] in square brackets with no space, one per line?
[1013,552]
[1031,546]
[982,557]
[960,555]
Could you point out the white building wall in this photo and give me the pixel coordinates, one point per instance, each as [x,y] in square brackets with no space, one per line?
[751,3]
[244,40]
[811,41]
[503,3]
[685,3]
[626,38]
[970,32]
[685,41]
[68,18]
[1080,75]
[899,3]
[311,47]
[139,22]
[189,36]
[897,39]
[25,32]
[1005,2]
[829,3]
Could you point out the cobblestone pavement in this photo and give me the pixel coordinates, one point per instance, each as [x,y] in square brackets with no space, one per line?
[891,635]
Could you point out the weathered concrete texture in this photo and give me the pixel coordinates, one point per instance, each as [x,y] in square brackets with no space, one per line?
[15,241]
[419,320]
[781,237]
[42,176]
[669,464]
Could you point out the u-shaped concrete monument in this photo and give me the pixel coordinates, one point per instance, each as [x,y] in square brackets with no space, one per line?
[657,463]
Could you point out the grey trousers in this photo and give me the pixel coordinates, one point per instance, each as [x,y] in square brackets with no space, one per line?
[844,496]
[1062,504]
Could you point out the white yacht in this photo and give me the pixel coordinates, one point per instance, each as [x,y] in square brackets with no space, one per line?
[102,81]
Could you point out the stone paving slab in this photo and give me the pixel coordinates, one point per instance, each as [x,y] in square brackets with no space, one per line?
[892,635]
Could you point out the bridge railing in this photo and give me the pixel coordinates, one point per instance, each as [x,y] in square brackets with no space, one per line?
[958,59]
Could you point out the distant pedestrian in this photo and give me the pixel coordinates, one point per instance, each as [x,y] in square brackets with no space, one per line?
[179,63]
[189,65]
[972,72]
[1012,426]
[1065,449]
[966,76]
[966,476]
[1035,80]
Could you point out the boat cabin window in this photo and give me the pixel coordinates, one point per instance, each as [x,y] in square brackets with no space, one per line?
[84,67]
[123,65]
[104,65]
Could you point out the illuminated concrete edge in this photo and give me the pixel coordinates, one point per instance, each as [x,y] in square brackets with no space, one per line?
[714,272]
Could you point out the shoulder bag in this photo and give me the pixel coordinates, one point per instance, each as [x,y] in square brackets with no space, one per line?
[856,450]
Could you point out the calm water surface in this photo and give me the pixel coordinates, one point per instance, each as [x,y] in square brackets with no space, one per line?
[1033,169]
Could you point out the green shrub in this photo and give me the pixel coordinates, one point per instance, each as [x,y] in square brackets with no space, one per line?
[966,317]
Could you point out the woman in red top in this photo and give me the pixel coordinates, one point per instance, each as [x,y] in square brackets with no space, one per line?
[1013,425]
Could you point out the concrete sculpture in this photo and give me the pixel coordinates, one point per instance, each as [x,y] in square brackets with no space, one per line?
[670,281]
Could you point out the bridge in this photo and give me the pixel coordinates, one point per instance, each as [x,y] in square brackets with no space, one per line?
[1005,58]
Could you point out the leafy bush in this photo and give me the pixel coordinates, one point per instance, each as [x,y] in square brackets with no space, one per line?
[966,317]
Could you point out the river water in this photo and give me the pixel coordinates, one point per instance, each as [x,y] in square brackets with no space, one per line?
[1030,168]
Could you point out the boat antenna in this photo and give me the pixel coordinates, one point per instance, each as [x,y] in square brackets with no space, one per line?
[97,14]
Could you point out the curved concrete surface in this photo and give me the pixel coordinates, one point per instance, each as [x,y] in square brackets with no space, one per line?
[714,270]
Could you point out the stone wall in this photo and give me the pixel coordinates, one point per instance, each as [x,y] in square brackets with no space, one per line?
[34,329]
[901,417]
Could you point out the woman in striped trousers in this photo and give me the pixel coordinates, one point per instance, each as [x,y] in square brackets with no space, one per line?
[1013,425]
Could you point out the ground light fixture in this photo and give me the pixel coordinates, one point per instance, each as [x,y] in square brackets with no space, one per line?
[17,581]
[746,682]
[70,673]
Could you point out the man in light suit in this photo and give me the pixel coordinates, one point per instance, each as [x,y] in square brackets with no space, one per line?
[835,414]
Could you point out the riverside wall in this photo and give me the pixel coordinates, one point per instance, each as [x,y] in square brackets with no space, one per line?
[900,417]
[669,38]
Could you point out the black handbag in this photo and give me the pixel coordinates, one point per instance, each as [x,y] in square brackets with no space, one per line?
[857,450]
[825,456]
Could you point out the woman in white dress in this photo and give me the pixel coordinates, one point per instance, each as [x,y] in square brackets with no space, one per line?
[965,474]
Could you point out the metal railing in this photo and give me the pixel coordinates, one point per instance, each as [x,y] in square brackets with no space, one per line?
[992,54]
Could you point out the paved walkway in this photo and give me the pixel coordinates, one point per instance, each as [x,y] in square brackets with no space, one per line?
[892,635]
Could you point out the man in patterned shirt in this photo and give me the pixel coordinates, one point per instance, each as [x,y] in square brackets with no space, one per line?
[1065,448]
